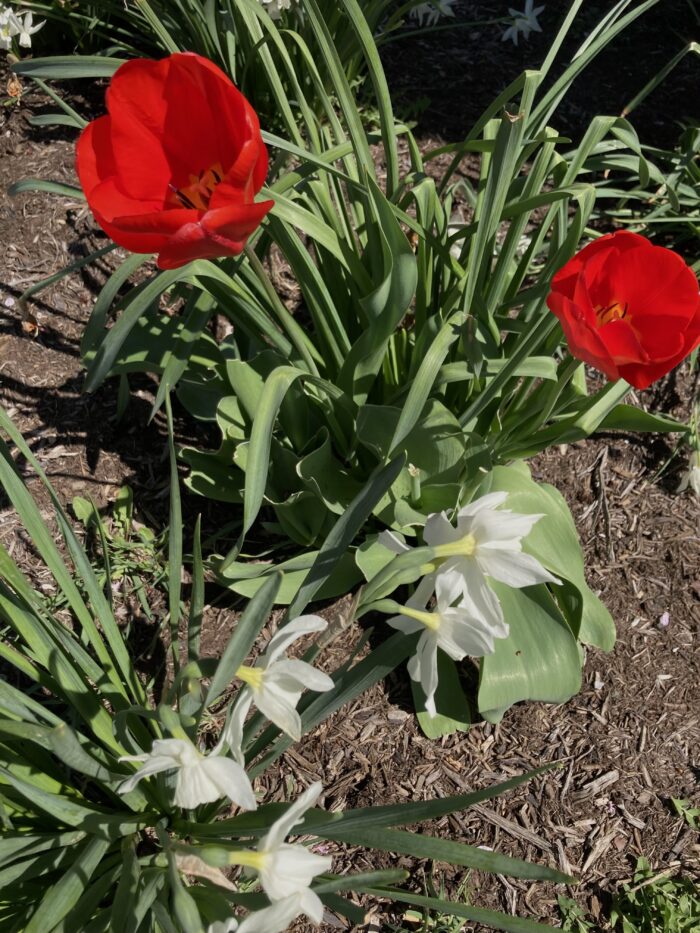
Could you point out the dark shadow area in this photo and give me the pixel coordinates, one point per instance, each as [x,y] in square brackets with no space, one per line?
[447,78]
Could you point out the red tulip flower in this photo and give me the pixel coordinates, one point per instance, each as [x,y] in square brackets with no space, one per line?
[628,308]
[174,166]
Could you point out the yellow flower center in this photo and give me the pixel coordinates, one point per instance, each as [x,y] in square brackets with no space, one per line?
[615,311]
[253,676]
[465,547]
[430,620]
[248,858]
[197,194]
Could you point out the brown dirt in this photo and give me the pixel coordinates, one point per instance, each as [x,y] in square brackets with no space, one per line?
[627,743]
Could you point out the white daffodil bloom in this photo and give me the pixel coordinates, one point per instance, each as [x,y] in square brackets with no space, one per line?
[200,778]
[286,871]
[10,27]
[428,14]
[276,683]
[27,30]
[691,477]
[485,543]
[523,23]
[458,630]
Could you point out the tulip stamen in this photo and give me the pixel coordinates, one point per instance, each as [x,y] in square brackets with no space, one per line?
[615,311]
[197,194]
[182,197]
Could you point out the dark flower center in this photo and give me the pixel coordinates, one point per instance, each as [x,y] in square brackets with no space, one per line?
[197,194]
[615,311]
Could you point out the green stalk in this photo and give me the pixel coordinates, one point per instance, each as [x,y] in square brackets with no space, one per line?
[293,330]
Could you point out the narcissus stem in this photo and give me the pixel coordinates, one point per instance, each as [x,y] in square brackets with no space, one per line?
[293,330]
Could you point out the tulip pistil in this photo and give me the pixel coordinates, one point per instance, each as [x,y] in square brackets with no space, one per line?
[615,311]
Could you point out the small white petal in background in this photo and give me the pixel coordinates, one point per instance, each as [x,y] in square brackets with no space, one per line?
[276,682]
[428,14]
[523,23]
[27,30]
[223,926]
[200,778]
[274,7]
[691,477]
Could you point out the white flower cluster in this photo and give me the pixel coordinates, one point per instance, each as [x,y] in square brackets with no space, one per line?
[13,25]
[285,871]
[430,13]
[274,7]
[468,616]
[523,23]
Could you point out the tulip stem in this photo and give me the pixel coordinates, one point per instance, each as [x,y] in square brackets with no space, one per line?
[292,328]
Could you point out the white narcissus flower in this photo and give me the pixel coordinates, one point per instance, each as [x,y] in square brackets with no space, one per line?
[691,477]
[485,543]
[286,871]
[27,30]
[428,14]
[523,23]
[200,778]
[458,630]
[276,683]
[10,27]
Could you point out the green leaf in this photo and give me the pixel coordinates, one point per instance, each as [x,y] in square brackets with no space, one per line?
[539,660]
[62,896]
[385,307]
[50,187]
[425,378]
[247,629]
[554,542]
[68,66]
[631,418]
[490,918]
[444,850]
[346,528]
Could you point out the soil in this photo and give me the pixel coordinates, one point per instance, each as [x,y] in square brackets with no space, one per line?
[626,744]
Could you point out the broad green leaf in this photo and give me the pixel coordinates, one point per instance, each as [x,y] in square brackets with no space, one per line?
[68,66]
[539,660]
[555,543]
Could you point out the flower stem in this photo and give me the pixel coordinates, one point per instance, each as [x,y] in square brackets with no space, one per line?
[291,327]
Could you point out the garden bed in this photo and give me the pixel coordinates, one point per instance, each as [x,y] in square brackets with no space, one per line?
[627,743]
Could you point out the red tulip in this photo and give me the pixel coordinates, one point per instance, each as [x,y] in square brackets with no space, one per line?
[174,166]
[628,308]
